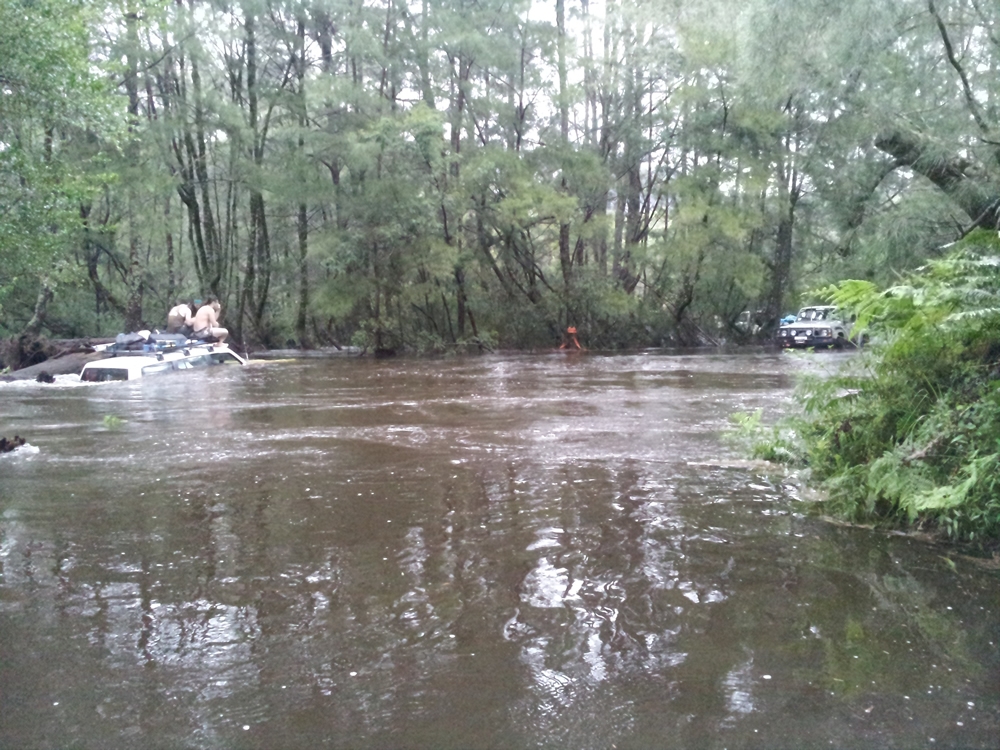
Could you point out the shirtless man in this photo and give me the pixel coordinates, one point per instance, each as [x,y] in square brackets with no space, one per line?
[180,319]
[570,342]
[206,322]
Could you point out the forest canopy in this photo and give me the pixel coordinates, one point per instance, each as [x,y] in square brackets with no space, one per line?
[447,173]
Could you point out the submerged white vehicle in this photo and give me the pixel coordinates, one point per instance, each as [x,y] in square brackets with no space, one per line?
[154,355]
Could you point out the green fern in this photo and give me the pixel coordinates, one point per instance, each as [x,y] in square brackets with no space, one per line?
[909,433]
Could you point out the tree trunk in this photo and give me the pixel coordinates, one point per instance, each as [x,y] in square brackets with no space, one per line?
[565,256]
[780,269]
[300,319]
[303,215]
[169,242]
[133,278]
[34,326]
[209,269]
[256,282]
[423,56]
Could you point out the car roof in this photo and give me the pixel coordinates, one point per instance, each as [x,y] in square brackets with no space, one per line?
[120,363]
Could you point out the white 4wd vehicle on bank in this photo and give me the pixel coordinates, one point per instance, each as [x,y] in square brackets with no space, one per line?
[819,326]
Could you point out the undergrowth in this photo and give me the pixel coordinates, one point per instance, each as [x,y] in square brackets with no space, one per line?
[909,433]
[775,443]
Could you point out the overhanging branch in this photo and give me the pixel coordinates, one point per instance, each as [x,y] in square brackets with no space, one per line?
[965,181]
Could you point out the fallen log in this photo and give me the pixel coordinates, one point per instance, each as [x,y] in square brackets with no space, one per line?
[28,356]
[66,364]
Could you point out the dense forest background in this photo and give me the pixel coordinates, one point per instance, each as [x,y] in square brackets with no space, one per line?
[432,174]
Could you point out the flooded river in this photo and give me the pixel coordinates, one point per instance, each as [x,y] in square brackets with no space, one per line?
[544,551]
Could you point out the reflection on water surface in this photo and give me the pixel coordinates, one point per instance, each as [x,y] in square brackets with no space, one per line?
[550,551]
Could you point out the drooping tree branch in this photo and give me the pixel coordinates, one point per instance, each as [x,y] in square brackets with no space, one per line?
[963,180]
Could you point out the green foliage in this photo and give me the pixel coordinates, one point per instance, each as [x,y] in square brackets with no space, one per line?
[49,99]
[910,433]
[776,443]
[416,183]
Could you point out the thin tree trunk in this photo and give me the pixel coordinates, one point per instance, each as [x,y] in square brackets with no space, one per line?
[303,214]
[211,271]
[133,279]
[169,242]
[780,268]
[34,326]
[257,280]
[565,257]
[423,55]
[300,319]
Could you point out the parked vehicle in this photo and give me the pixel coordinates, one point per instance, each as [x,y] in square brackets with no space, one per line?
[815,327]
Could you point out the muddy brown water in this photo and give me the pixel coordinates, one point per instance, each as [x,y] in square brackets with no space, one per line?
[549,551]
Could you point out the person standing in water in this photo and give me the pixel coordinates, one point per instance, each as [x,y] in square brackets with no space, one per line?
[206,322]
[570,343]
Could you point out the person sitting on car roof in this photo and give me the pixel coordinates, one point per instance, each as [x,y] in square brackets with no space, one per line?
[180,318]
[206,322]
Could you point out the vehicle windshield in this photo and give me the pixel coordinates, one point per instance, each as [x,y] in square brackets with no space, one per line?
[159,367]
[813,313]
[103,374]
